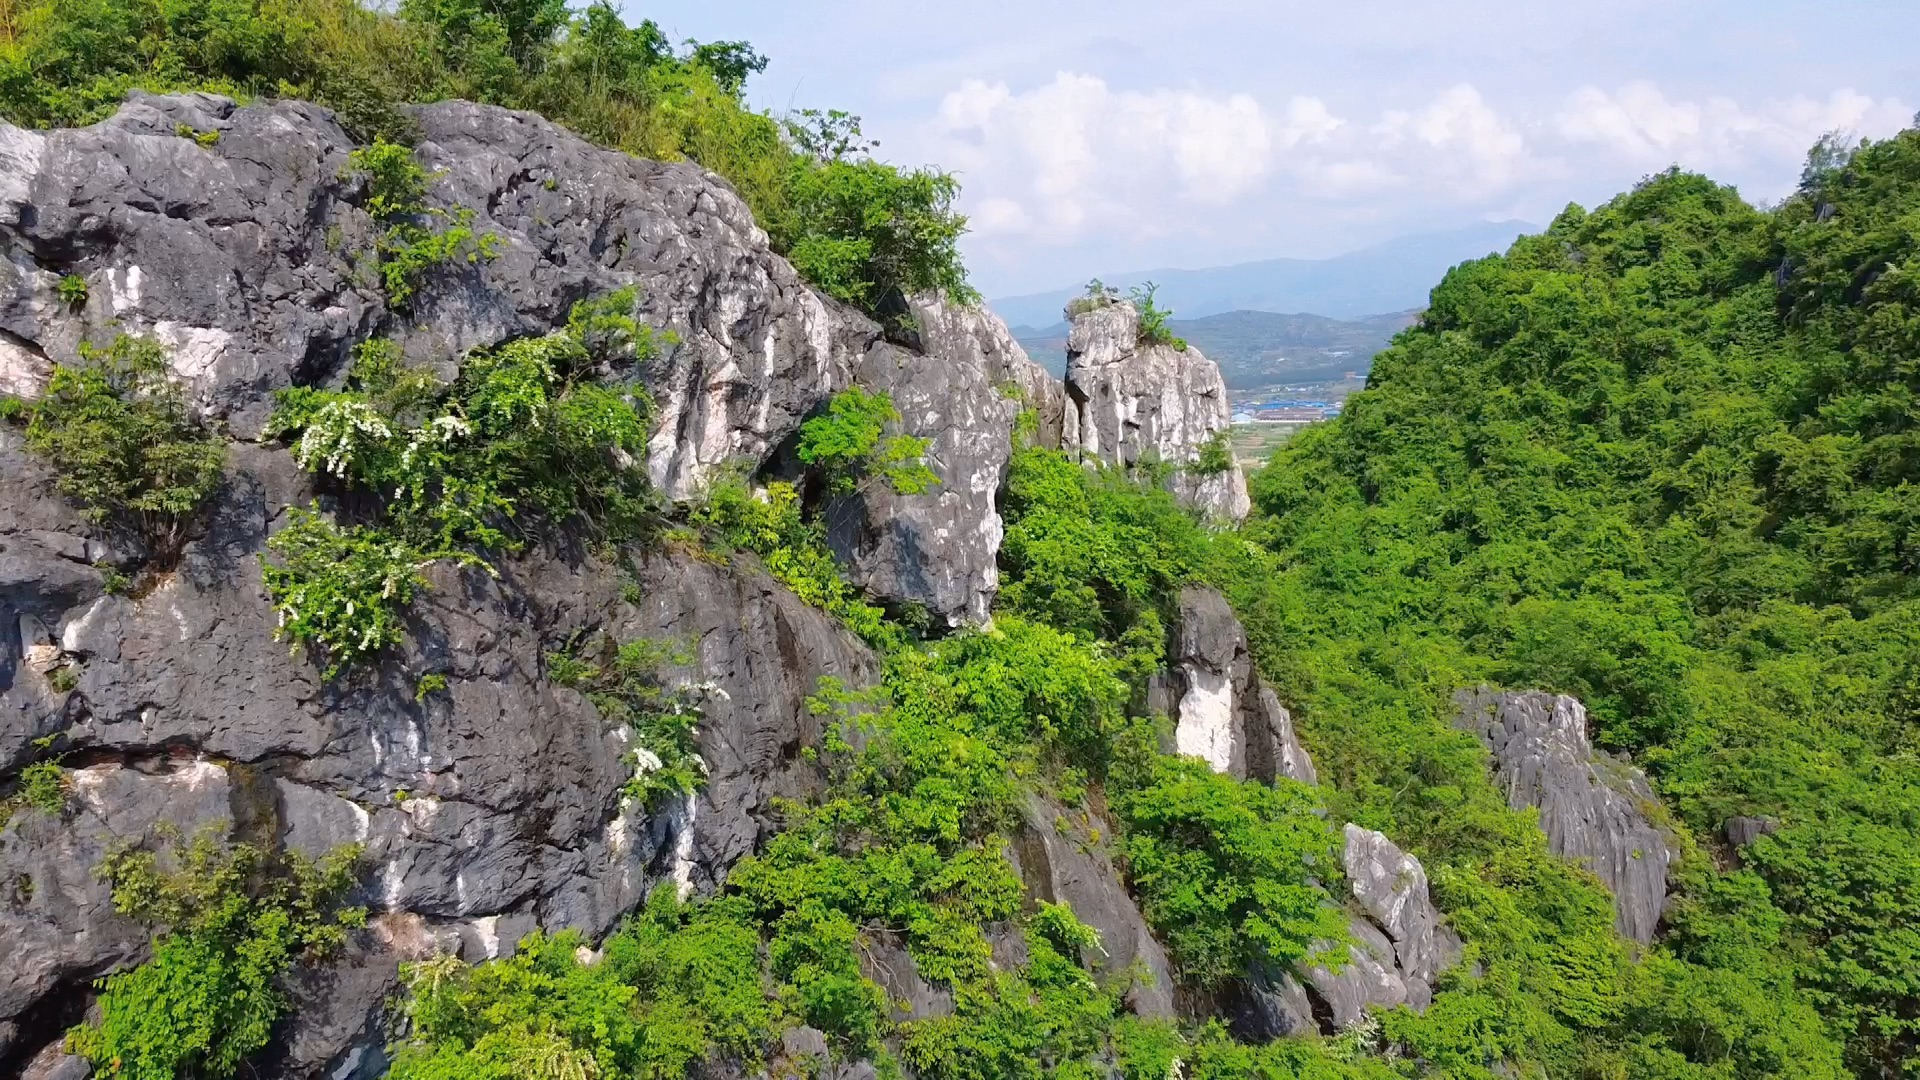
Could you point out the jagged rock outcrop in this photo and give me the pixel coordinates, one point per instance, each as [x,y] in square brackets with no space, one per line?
[241,257]
[960,387]
[1226,714]
[1400,948]
[1222,710]
[1592,807]
[1141,404]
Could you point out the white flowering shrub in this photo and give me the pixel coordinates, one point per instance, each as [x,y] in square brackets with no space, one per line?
[535,436]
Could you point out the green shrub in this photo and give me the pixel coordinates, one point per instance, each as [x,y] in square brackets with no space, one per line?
[864,231]
[124,445]
[848,445]
[410,248]
[1153,318]
[1216,455]
[530,440]
[626,684]
[235,920]
[1098,295]
[792,549]
[1231,874]
[676,986]
[343,592]
[72,290]
[43,787]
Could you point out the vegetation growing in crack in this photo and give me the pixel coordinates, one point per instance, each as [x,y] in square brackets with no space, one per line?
[792,548]
[412,245]
[230,921]
[124,445]
[849,445]
[1216,455]
[535,438]
[629,684]
[1153,318]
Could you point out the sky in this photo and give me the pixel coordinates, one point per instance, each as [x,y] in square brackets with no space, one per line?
[1120,135]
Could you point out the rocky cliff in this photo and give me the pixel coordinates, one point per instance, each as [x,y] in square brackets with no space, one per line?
[496,806]
[1149,403]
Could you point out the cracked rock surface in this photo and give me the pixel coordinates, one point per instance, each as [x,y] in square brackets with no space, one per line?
[1593,807]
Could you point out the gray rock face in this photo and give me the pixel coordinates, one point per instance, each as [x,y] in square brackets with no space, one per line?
[241,258]
[961,389]
[1225,714]
[1400,948]
[512,814]
[1062,863]
[1590,804]
[1223,711]
[1741,831]
[1390,888]
[975,336]
[1141,404]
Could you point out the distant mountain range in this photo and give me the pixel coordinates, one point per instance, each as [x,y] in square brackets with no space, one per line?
[1394,276]
[1258,348]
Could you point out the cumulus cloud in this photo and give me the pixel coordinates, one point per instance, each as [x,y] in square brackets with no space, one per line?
[1639,123]
[1075,153]
[1475,148]
[1077,162]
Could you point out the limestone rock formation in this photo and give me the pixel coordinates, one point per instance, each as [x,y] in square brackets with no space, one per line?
[241,257]
[495,805]
[1225,714]
[1400,948]
[1064,861]
[1142,404]
[1592,807]
[1223,711]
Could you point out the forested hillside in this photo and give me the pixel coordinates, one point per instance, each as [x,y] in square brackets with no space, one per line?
[1664,457]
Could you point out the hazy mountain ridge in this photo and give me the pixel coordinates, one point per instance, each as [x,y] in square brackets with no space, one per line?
[1392,276]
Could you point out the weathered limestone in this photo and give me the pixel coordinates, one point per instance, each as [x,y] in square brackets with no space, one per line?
[1150,404]
[1592,807]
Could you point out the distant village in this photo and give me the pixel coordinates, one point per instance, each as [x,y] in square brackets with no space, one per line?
[1288,411]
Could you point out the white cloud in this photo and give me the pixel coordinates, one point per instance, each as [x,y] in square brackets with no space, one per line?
[1640,123]
[1075,154]
[1461,140]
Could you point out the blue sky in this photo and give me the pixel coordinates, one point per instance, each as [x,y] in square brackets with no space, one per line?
[1100,137]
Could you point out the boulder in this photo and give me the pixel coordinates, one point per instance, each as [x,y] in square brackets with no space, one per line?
[1741,831]
[1593,807]
[1141,404]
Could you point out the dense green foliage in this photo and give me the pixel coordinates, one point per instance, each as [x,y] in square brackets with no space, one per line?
[861,230]
[848,444]
[537,436]
[232,920]
[1661,457]
[675,986]
[117,430]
